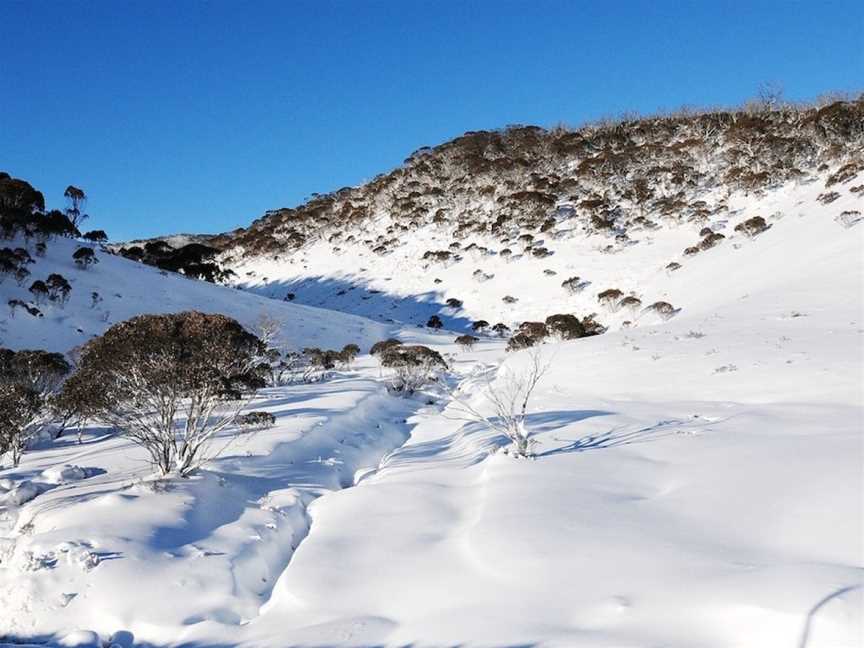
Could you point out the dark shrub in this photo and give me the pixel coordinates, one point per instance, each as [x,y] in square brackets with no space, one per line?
[537,330]
[466,342]
[56,223]
[480,326]
[348,353]
[380,347]
[39,290]
[630,302]
[413,366]
[434,322]
[501,329]
[565,326]
[520,341]
[592,326]
[257,420]
[572,285]
[84,257]
[58,288]
[96,236]
[610,297]
[454,303]
[662,308]
[711,240]
[752,226]
[29,381]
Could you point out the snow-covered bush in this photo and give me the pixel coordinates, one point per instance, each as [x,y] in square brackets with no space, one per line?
[384,345]
[84,257]
[413,367]
[170,383]
[348,353]
[752,226]
[320,362]
[466,342]
[501,329]
[565,326]
[256,420]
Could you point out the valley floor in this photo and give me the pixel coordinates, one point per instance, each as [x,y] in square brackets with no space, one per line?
[691,489]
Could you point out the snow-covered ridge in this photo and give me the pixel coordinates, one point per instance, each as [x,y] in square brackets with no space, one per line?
[124,289]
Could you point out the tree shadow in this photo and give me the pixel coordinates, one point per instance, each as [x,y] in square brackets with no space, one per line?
[352,294]
[811,614]
[623,435]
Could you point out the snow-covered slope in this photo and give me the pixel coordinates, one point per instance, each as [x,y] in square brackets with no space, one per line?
[126,288]
[401,286]
[494,222]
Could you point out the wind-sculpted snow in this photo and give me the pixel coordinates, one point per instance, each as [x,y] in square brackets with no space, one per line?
[118,549]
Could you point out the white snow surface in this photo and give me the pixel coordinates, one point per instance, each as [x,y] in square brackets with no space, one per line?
[698,480]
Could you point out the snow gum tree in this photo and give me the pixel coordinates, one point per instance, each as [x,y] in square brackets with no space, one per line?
[170,383]
[29,382]
[412,366]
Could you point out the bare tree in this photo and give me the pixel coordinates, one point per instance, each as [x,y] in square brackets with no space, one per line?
[508,393]
[269,331]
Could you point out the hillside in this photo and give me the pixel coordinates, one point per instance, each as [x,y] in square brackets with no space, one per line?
[124,289]
[500,220]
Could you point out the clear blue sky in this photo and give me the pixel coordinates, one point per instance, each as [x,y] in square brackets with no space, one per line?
[194,116]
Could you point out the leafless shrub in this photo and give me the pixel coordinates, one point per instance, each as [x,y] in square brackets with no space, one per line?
[507,394]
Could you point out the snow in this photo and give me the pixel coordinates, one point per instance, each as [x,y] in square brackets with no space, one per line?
[698,480]
[128,288]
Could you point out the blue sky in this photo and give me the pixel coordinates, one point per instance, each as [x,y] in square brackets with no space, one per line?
[194,116]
